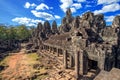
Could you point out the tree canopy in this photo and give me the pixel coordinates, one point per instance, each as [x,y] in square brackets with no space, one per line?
[20,32]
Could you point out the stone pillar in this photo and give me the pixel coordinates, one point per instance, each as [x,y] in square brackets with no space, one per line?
[81,62]
[57,52]
[65,59]
[101,62]
[53,50]
[77,65]
[49,49]
[85,65]
[45,47]
[71,61]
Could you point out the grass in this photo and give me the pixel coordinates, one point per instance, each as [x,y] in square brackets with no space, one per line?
[33,60]
[42,73]
[33,56]
[4,62]
[41,77]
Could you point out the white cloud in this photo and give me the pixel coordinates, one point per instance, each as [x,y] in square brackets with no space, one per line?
[107,2]
[57,17]
[51,7]
[108,8]
[69,4]
[43,15]
[73,9]
[65,4]
[33,5]
[28,5]
[77,5]
[27,21]
[88,5]
[42,6]
[80,0]
[109,18]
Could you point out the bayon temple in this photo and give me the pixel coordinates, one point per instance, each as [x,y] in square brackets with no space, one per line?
[84,42]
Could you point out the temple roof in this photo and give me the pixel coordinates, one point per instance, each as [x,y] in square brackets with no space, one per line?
[60,40]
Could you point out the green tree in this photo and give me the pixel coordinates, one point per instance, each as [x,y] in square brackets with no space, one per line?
[23,32]
[3,32]
[15,32]
[12,33]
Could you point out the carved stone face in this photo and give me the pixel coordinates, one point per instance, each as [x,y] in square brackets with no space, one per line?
[116,22]
[68,12]
[64,20]
[109,51]
[99,17]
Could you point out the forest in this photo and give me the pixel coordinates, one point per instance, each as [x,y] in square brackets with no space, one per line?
[20,32]
[12,36]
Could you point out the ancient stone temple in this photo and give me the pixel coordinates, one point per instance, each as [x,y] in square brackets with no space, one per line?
[86,43]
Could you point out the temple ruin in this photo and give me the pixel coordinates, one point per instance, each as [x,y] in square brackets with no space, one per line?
[84,42]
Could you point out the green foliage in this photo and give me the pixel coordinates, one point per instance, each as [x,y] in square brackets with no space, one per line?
[23,32]
[4,62]
[3,32]
[17,32]
[33,56]
[11,33]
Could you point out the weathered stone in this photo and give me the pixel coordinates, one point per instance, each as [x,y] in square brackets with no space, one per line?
[54,27]
[64,20]
[99,23]
[84,41]
[47,29]
[116,22]
[89,17]
[9,45]
[65,28]
[40,27]
[76,23]
[67,22]
[69,17]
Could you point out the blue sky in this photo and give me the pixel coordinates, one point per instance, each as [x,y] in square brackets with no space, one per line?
[30,12]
